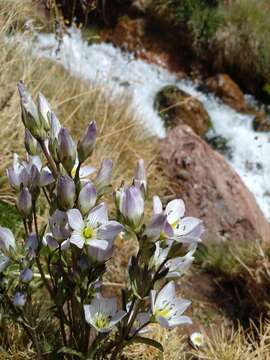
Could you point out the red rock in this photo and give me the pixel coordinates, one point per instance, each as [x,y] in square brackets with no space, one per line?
[211,189]
[225,88]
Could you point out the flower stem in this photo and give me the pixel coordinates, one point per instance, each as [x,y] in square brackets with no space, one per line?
[51,163]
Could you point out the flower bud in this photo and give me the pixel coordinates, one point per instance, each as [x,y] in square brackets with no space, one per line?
[55,127]
[87,198]
[67,152]
[140,180]
[26,275]
[43,110]
[30,115]
[31,144]
[66,192]
[132,206]
[24,203]
[19,299]
[104,175]
[86,144]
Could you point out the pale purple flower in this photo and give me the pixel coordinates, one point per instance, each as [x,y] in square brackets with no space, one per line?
[30,116]
[179,265]
[178,227]
[24,202]
[7,239]
[102,314]
[59,227]
[66,192]
[21,172]
[67,151]
[167,309]
[95,230]
[19,299]
[86,144]
[132,206]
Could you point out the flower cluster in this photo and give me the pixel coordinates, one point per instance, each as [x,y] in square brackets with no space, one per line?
[70,252]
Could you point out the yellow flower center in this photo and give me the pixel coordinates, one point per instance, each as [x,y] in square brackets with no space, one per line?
[165,312]
[176,224]
[102,321]
[73,171]
[88,232]
[163,236]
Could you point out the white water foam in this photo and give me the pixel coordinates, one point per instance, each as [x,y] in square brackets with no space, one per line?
[122,73]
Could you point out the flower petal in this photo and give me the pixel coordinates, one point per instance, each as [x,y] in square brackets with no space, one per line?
[86,171]
[77,239]
[175,209]
[98,215]
[75,219]
[157,205]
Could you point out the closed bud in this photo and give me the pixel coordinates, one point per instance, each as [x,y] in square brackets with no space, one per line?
[104,175]
[43,110]
[66,192]
[30,115]
[26,275]
[132,206]
[19,299]
[53,137]
[67,152]
[86,144]
[31,144]
[87,198]
[140,180]
[24,202]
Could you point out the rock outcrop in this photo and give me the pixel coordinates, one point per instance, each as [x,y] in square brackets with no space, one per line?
[212,190]
[225,88]
[177,107]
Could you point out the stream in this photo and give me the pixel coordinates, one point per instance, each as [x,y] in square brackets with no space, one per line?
[121,73]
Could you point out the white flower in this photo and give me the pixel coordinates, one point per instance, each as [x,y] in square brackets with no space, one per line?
[167,309]
[197,339]
[95,230]
[179,265]
[178,227]
[102,314]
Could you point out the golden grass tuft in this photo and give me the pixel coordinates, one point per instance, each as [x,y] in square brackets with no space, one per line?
[121,135]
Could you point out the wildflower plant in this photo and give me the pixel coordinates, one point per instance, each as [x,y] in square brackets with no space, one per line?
[65,257]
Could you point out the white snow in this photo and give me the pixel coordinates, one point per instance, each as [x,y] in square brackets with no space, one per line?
[123,74]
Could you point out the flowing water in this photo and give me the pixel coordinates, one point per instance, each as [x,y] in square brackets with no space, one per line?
[121,73]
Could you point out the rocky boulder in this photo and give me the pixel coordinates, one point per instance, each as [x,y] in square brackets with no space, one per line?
[177,107]
[225,88]
[212,190]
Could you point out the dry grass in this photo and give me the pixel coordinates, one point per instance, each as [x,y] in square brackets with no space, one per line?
[121,137]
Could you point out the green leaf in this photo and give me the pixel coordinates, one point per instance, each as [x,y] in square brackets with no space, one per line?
[148,341]
[67,350]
